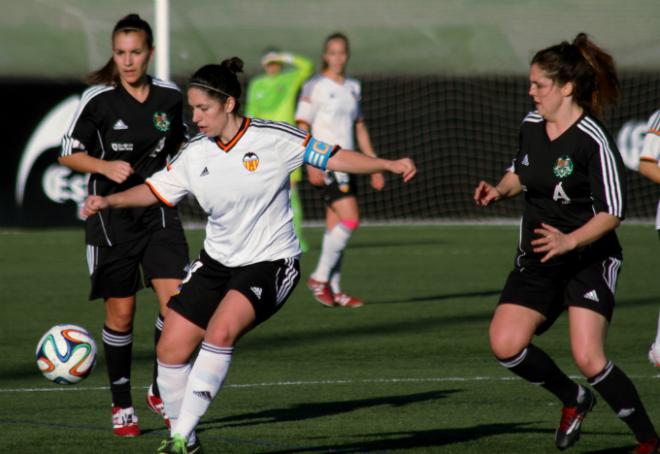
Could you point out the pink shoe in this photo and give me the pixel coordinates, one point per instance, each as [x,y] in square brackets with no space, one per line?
[125,422]
[321,292]
[344,300]
[156,405]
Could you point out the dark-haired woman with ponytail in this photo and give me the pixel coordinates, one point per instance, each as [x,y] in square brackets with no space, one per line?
[238,169]
[126,127]
[568,255]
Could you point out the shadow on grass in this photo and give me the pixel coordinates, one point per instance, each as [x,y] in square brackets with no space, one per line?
[434,440]
[310,410]
[441,297]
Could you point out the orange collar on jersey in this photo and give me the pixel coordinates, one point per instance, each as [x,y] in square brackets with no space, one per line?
[229,145]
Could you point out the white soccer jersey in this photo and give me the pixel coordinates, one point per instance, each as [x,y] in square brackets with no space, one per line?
[243,186]
[331,109]
[651,150]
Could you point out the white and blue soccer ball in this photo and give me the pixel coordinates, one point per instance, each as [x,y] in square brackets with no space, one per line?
[66,354]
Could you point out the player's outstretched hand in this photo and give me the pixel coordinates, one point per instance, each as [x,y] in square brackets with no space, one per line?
[551,241]
[404,167]
[485,193]
[93,204]
[117,171]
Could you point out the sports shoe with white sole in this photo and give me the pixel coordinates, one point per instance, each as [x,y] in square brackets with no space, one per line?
[125,422]
[321,292]
[344,300]
[156,405]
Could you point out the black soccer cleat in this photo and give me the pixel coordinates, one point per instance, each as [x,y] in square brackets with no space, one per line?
[571,420]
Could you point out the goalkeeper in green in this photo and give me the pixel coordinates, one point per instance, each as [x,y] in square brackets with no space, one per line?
[273,96]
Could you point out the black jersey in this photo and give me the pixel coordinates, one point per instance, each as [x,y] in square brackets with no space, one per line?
[110,124]
[568,180]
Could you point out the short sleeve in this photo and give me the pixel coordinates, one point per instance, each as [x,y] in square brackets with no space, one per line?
[306,110]
[607,178]
[171,183]
[651,144]
[82,132]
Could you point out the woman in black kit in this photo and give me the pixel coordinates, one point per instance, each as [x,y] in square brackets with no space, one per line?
[126,126]
[568,256]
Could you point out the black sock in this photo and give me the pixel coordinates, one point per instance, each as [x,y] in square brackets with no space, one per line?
[620,393]
[118,354]
[158,329]
[535,366]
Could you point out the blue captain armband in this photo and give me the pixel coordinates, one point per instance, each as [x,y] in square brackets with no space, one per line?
[317,153]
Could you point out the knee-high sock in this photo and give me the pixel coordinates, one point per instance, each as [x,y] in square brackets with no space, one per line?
[118,349]
[335,275]
[535,366]
[205,380]
[172,381]
[158,329]
[334,242]
[620,393]
[657,333]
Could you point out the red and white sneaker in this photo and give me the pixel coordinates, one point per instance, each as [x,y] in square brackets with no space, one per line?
[125,422]
[321,292]
[344,300]
[156,405]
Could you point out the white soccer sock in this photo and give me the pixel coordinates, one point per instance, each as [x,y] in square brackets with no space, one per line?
[657,334]
[205,379]
[172,380]
[335,275]
[334,243]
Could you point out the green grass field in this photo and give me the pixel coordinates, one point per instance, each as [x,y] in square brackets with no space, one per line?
[409,372]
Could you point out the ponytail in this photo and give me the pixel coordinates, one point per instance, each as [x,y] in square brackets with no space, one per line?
[589,68]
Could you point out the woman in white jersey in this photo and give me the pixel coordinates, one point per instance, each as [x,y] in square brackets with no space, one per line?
[329,107]
[649,166]
[238,169]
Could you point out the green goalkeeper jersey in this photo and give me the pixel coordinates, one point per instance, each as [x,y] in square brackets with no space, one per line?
[273,97]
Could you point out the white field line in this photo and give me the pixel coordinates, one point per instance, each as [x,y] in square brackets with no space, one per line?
[312,383]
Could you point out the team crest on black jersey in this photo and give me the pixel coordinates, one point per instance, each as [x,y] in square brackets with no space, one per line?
[251,161]
[161,122]
[563,167]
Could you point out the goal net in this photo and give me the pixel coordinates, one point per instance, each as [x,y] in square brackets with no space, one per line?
[460,130]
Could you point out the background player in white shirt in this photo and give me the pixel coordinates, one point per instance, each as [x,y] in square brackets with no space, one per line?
[329,107]
[238,169]
[649,166]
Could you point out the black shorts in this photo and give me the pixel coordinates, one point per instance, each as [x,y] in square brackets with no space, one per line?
[550,289]
[337,186]
[115,270]
[266,284]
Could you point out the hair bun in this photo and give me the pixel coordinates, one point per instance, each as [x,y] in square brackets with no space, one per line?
[233,64]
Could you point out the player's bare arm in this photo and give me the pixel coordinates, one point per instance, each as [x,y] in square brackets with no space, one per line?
[364,144]
[650,169]
[117,171]
[137,196]
[509,186]
[350,161]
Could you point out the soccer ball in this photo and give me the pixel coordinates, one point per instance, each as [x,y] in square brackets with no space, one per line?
[66,354]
